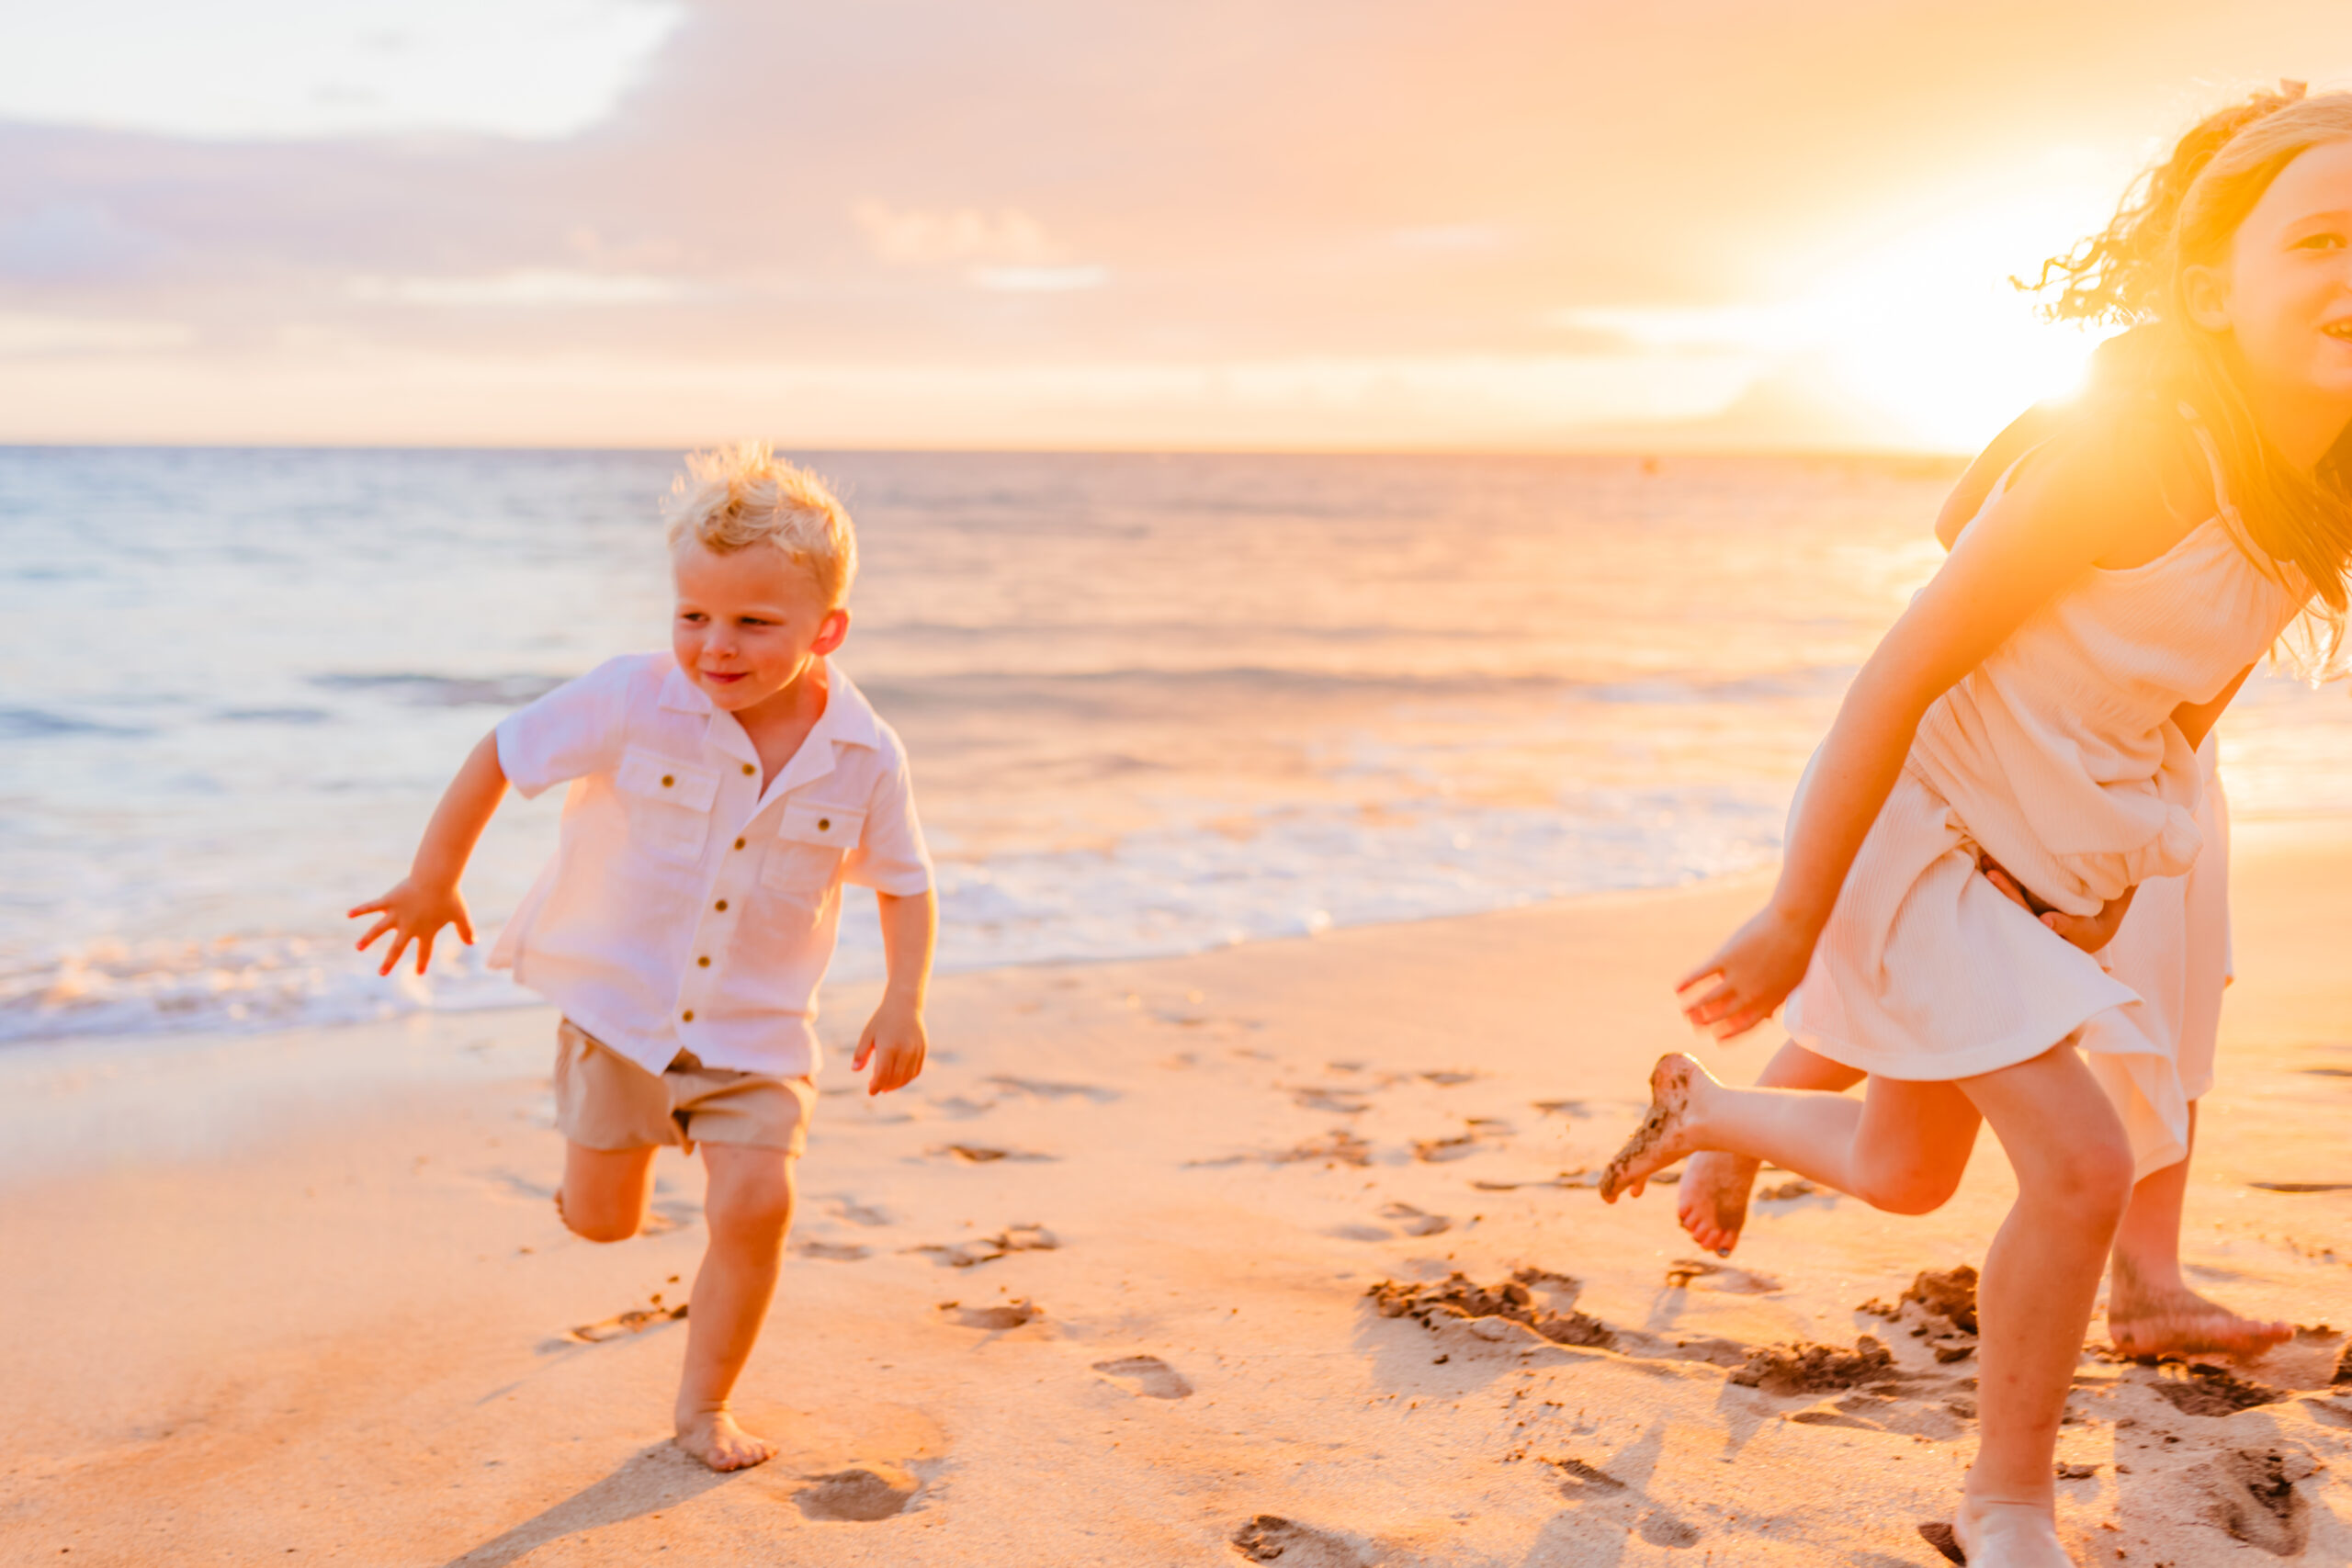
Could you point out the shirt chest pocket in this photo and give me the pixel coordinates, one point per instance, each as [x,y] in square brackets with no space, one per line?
[669,804]
[811,839]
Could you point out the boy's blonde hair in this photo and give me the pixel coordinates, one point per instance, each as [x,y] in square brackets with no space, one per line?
[742,495]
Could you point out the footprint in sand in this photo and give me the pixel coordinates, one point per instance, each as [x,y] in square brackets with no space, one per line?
[2212,1390]
[637,1320]
[961,1108]
[1786,1191]
[1662,1529]
[1415,1222]
[858,1497]
[1145,1377]
[1436,1151]
[1448,1078]
[1580,1479]
[2303,1185]
[1036,1089]
[1338,1147]
[988,1248]
[982,1154]
[1339,1102]
[841,1206]
[514,1185]
[1002,1315]
[1684,1272]
[669,1215]
[1269,1538]
[831,1251]
[2251,1494]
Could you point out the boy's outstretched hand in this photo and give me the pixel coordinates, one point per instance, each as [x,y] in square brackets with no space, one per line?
[895,1042]
[414,911]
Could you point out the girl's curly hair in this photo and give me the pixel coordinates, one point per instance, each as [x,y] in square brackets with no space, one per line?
[2121,273]
[2183,214]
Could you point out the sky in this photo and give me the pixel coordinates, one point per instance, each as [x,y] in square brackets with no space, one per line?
[1318,224]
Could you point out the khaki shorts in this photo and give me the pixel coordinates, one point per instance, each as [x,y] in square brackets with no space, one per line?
[604,1100]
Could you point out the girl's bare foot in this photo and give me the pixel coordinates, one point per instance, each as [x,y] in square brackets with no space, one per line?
[712,1437]
[1714,1198]
[2009,1535]
[2144,1320]
[1664,1134]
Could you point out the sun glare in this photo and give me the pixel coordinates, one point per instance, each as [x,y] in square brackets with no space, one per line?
[1929,329]
[1922,332]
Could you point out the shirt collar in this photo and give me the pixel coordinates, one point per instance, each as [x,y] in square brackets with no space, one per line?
[848,719]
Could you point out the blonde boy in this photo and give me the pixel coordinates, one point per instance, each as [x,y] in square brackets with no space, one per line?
[720,794]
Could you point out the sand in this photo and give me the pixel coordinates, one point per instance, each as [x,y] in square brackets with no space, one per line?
[1152,1266]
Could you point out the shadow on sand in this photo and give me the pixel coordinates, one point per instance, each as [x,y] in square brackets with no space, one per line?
[651,1479]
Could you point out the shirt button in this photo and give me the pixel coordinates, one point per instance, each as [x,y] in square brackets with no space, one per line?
[704,962]
[689,1015]
[824,824]
[739,843]
[667,780]
[720,906]
[748,768]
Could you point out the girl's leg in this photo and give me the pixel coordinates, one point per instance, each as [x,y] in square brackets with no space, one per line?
[604,1190]
[1713,1200]
[1902,1148]
[2074,1170]
[748,1208]
[2151,1311]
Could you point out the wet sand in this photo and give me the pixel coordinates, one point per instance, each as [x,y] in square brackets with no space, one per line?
[1152,1266]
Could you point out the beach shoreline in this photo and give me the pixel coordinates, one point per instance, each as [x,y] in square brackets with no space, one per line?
[303,1294]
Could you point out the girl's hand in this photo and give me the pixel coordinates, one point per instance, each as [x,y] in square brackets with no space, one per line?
[894,1041]
[414,911]
[2089,932]
[1754,973]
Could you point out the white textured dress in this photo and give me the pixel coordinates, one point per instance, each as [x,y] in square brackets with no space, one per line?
[2057,757]
[2174,951]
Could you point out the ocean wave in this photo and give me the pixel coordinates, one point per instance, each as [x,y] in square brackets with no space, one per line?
[1283,871]
[446,691]
[39,724]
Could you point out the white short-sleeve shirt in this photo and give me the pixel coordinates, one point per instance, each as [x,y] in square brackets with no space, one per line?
[687,908]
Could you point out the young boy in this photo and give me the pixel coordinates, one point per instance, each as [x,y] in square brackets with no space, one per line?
[720,794]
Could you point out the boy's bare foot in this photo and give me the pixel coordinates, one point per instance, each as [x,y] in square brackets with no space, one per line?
[713,1437]
[2144,1320]
[1714,1198]
[2009,1535]
[1664,1136]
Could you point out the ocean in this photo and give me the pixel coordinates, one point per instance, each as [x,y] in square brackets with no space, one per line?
[1155,703]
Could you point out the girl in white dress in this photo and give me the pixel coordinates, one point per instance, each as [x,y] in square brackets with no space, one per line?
[2173,950]
[2038,708]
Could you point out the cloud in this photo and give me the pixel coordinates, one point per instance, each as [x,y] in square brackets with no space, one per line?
[904,237]
[72,240]
[1448,237]
[282,69]
[1040,279]
[527,289]
[1056,220]
[30,336]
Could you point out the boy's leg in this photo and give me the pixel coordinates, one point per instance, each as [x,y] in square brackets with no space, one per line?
[613,1116]
[747,1209]
[1713,1199]
[2073,1168]
[604,1191]
[2151,1311]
